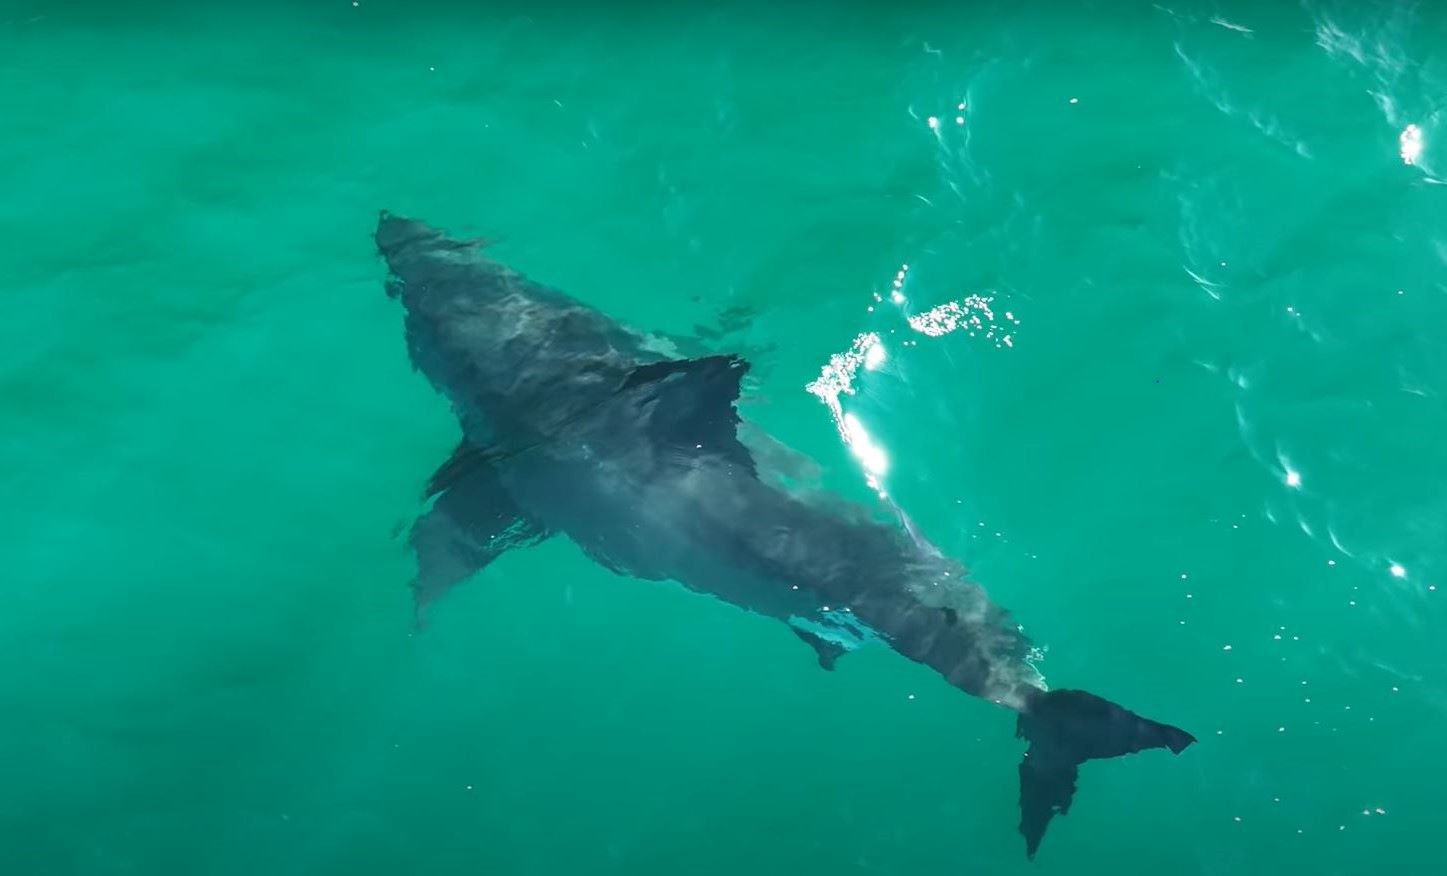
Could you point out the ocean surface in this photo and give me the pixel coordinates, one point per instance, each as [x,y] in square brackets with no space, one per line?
[1158,294]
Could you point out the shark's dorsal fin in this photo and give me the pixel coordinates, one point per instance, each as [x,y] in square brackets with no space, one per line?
[689,405]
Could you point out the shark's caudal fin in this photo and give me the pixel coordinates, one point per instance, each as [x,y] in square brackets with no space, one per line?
[1066,728]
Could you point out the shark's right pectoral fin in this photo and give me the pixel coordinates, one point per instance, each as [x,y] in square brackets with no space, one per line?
[473,521]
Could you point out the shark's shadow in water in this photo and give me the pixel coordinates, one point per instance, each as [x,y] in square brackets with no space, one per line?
[574,424]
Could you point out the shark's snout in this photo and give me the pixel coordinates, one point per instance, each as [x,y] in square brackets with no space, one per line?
[396,233]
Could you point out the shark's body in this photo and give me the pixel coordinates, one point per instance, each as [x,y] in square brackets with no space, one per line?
[577,425]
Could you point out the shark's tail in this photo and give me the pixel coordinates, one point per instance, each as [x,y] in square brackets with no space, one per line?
[1066,728]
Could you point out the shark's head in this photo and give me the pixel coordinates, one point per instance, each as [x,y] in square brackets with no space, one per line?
[395,234]
[416,251]
[500,346]
[407,245]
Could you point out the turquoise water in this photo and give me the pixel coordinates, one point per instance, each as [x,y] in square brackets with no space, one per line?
[1218,422]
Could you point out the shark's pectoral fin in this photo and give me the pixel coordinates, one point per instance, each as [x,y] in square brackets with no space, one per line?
[825,650]
[473,521]
[689,405]
[465,459]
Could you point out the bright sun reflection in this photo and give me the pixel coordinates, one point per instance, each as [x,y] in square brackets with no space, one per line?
[874,357]
[1411,143]
[839,377]
[875,460]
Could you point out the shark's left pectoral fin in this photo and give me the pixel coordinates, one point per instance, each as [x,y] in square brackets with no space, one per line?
[472,523]
[689,405]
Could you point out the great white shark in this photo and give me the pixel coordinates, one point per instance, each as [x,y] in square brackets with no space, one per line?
[575,424]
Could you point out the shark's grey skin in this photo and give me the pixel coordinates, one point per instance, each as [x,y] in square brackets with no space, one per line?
[574,424]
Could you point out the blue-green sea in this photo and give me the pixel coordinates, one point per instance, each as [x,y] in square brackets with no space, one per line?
[1178,403]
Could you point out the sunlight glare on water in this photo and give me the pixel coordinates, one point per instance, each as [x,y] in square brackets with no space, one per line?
[1411,143]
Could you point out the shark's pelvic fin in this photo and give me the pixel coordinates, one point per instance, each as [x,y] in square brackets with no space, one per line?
[689,405]
[825,650]
[1066,728]
[473,521]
